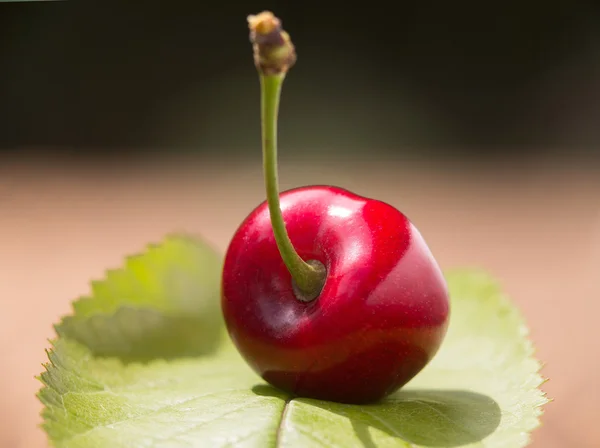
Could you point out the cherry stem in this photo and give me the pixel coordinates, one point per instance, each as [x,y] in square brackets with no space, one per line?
[308,277]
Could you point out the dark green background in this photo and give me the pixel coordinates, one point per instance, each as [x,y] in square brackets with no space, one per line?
[450,78]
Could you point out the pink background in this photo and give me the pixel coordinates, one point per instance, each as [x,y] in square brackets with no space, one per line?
[535,226]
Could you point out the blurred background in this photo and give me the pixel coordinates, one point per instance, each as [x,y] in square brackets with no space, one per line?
[120,123]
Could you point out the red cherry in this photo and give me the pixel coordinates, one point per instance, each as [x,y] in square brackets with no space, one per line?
[327,294]
[380,317]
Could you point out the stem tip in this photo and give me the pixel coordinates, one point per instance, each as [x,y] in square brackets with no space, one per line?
[274,52]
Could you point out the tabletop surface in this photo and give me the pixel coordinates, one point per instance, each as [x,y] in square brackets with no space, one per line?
[535,226]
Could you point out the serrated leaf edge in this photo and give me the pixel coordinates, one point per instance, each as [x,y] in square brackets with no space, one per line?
[502,299]
[506,303]
[48,366]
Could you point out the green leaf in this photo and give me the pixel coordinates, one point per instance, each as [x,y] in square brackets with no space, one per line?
[481,390]
[156,306]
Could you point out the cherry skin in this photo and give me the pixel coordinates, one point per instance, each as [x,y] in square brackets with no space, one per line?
[379,319]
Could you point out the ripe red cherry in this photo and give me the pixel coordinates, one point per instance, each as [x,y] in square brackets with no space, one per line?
[380,317]
[327,294]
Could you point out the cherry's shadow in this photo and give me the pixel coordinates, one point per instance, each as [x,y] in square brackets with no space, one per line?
[430,418]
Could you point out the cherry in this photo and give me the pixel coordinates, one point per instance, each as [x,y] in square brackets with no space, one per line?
[327,294]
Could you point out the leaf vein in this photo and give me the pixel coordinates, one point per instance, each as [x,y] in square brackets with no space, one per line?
[279,431]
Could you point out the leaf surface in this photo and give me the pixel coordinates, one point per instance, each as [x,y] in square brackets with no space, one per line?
[142,362]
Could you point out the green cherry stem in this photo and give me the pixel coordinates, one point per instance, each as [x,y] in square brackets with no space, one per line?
[308,276]
[274,54]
